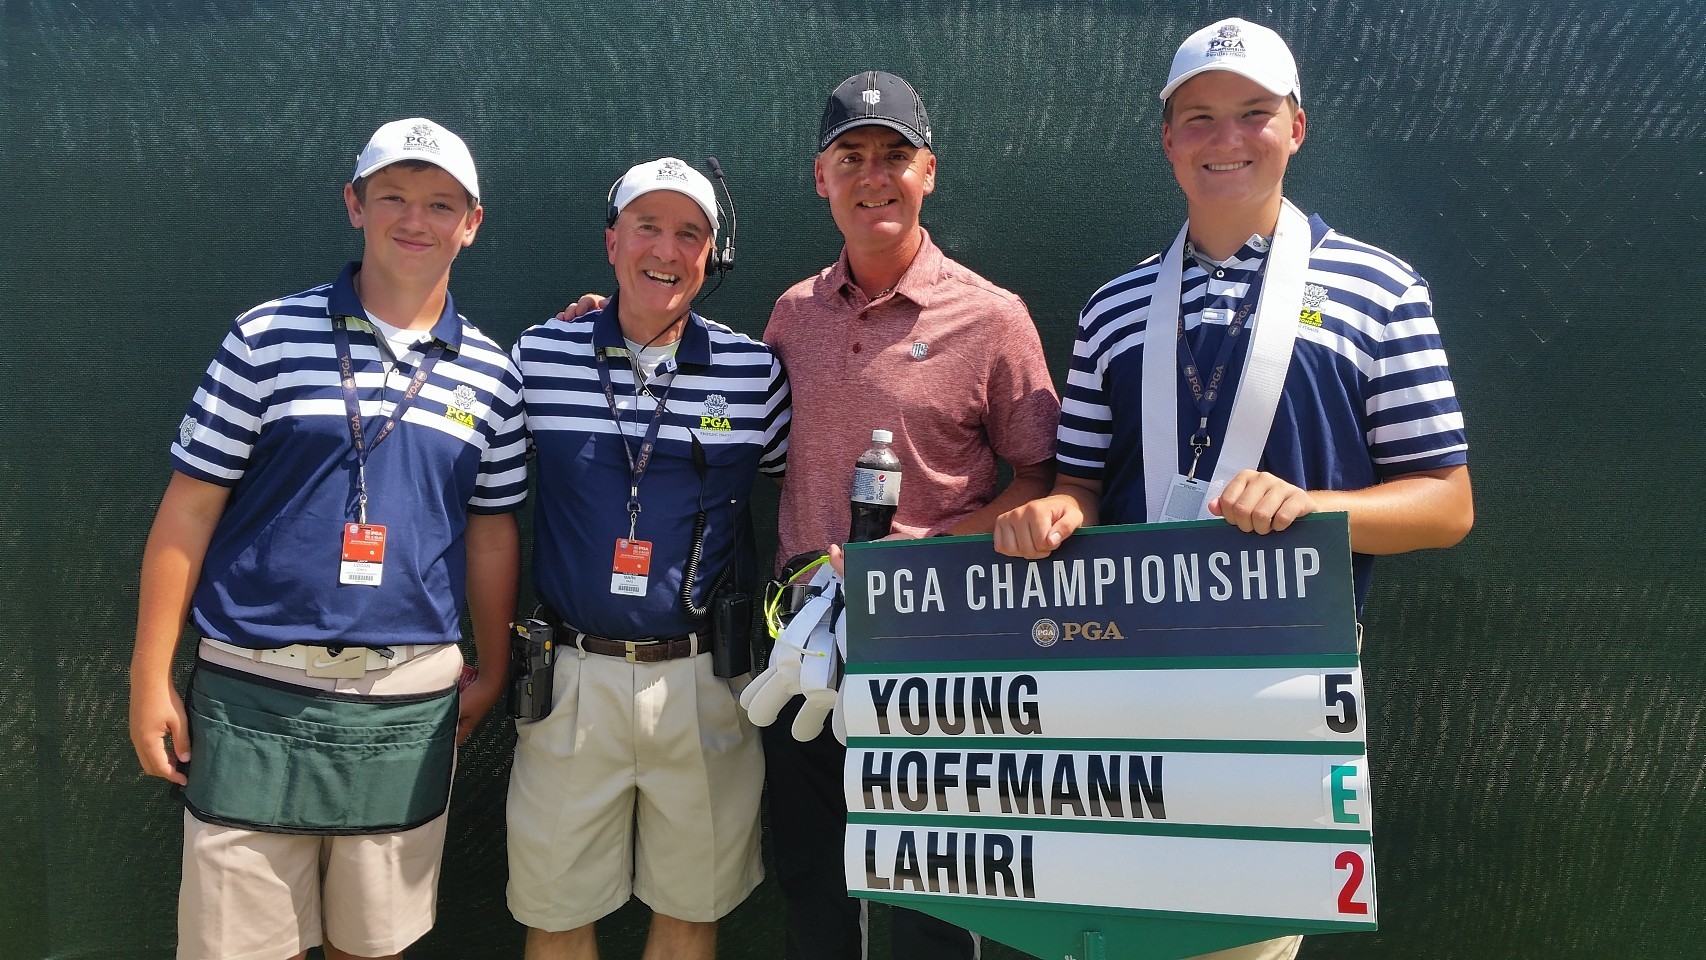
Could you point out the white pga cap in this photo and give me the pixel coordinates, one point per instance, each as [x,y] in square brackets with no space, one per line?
[667,173]
[419,139]
[1241,47]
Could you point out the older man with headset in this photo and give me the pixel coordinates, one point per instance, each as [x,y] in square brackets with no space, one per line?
[650,424]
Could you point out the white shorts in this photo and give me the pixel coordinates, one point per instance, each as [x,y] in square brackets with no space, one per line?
[644,780]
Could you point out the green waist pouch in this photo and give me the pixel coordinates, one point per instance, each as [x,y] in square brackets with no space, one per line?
[281,758]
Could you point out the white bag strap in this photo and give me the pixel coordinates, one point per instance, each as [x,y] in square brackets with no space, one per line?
[1274,334]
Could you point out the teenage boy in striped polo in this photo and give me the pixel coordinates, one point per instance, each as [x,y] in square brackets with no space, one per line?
[651,424]
[1367,421]
[348,469]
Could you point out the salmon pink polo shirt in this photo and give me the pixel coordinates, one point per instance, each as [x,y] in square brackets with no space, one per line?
[946,360]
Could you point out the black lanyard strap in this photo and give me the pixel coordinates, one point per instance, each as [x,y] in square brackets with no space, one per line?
[352,403]
[1207,396]
[648,444]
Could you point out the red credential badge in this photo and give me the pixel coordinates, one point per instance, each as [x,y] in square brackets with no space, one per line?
[364,555]
[631,567]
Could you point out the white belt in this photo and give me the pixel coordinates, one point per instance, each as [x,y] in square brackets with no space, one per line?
[302,656]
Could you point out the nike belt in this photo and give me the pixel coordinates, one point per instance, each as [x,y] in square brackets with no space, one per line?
[314,660]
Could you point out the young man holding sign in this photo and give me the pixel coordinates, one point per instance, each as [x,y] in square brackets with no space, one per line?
[1297,370]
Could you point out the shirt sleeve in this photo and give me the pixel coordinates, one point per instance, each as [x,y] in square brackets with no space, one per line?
[501,485]
[1414,421]
[217,434]
[1023,408]
[1084,434]
[778,419]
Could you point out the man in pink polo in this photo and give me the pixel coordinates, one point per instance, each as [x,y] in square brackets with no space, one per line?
[896,336]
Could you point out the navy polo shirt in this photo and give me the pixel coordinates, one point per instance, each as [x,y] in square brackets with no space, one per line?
[269,422]
[1368,395]
[727,390]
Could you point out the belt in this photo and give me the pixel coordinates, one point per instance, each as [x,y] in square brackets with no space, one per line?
[653,650]
[302,656]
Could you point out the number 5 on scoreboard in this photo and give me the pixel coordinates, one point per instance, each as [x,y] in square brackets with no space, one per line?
[1342,690]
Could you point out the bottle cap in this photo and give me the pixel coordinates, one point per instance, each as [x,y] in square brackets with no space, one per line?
[881,436]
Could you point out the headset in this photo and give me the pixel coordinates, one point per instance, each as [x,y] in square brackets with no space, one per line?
[718,262]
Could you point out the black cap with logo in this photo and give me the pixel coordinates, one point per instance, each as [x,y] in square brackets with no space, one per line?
[878,98]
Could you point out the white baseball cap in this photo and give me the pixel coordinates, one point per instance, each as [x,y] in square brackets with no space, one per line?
[1241,47]
[419,139]
[667,173]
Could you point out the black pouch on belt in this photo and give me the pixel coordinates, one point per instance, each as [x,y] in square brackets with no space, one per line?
[731,635]
[532,660]
[280,758]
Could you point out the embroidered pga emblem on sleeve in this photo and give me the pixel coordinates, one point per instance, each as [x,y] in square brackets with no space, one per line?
[186,432]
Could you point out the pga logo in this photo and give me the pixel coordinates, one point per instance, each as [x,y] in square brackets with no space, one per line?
[1046,633]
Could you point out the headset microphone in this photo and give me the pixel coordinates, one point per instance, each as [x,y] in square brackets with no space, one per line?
[725,260]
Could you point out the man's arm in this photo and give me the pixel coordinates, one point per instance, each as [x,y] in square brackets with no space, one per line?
[171,566]
[494,567]
[1029,483]
[1033,530]
[1416,511]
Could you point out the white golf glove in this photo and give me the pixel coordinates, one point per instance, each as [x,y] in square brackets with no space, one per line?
[764,698]
[820,667]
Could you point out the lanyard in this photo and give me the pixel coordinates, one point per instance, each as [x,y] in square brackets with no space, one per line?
[352,404]
[636,465]
[1207,396]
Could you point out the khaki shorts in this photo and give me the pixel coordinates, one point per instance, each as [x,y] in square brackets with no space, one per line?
[248,895]
[644,780]
[1285,948]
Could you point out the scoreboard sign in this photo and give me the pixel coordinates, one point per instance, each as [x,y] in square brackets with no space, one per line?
[1148,745]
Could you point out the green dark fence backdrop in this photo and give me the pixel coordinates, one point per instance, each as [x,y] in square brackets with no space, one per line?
[1534,694]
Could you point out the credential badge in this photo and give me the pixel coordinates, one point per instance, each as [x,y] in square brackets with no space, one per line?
[920,349]
[186,432]
[1046,633]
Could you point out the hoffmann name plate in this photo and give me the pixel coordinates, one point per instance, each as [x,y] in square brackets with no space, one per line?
[1148,745]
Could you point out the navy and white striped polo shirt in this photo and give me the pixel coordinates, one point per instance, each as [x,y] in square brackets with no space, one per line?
[1367,397]
[728,390]
[268,421]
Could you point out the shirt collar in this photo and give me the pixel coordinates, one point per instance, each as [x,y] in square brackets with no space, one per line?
[344,302]
[695,345]
[915,284]
[1255,249]
[1248,257]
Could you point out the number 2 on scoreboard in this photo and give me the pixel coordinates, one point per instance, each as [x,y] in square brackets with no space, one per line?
[1350,860]
[1340,694]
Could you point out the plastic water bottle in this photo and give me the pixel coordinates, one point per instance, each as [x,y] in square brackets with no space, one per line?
[876,489]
